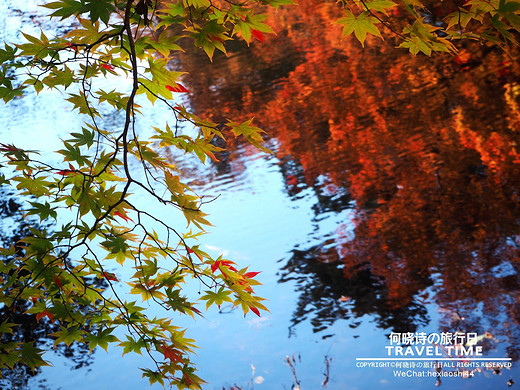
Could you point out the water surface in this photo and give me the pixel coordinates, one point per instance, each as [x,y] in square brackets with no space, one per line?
[391,204]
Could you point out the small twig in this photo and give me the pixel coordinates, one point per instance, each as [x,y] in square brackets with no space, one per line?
[328,360]
[293,369]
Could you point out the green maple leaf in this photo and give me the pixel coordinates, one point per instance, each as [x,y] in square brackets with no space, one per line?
[132,346]
[42,210]
[153,376]
[423,39]
[380,5]
[217,298]
[115,244]
[84,138]
[32,356]
[460,18]
[97,9]
[101,339]
[5,327]
[359,25]
[68,335]
[251,133]
[64,8]
[33,186]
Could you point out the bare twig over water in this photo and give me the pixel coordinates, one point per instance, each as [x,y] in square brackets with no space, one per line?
[291,362]
[328,360]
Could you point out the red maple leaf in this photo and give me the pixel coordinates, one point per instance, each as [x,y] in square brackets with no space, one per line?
[215,38]
[247,287]
[109,276]
[124,216]
[258,35]
[65,172]
[107,67]
[171,353]
[250,275]
[189,250]
[176,88]
[255,310]
[214,266]
[72,46]
[57,280]
[8,148]
[226,263]
[187,379]
[45,313]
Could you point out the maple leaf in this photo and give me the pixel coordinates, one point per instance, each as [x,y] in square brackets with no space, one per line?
[123,215]
[219,263]
[360,25]
[214,266]
[189,250]
[31,356]
[255,310]
[109,276]
[8,148]
[68,335]
[217,298]
[176,88]
[215,38]
[107,67]
[250,275]
[247,287]
[227,264]
[65,172]
[380,5]
[171,353]
[45,313]
[72,46]
[57,280]
[249,132]
[258,35]
[187,379]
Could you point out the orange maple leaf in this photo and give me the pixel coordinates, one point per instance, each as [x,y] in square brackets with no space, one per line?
[45,313]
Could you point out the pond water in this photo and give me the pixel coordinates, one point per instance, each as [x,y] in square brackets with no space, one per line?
[390,206]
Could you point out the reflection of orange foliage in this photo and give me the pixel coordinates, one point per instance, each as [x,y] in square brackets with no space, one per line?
[428,147]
